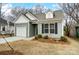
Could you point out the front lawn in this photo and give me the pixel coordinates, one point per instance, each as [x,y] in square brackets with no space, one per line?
[36,47]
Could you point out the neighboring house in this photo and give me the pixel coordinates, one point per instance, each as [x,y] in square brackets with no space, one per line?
[50,23]
[74,31]
[77,30]
[5,28]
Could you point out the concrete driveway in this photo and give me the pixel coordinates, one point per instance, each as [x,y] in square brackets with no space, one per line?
[11,39]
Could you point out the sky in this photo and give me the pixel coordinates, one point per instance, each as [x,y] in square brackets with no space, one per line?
[7,7]
[30,5]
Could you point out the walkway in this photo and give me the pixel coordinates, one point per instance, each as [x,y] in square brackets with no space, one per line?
[11,39]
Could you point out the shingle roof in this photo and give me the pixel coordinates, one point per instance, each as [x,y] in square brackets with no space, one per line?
[58,15]
[42,16]
[2,21]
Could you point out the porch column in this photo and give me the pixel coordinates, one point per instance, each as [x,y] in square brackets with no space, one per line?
[28,29]
[39,28]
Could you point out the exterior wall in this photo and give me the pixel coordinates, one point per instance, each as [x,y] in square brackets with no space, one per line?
[8,30]
[22,19]
[60,30]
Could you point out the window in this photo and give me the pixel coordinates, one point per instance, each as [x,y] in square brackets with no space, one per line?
[49,28]
[44,28]
[52,28]
[3,28]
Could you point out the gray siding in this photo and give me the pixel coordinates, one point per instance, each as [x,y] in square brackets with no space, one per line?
[53,35]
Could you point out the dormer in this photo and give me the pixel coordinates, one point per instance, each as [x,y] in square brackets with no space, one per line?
[49,14]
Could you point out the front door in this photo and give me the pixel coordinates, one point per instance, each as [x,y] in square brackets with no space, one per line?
[36,29]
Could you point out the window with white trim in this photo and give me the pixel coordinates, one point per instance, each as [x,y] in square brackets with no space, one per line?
[52,28]
[44,28]
[49,28]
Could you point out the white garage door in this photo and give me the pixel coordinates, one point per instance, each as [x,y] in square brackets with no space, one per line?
[21,31]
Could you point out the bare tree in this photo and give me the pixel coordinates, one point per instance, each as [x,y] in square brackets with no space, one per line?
[72,10]
[2,34]
[72,15]
[69,26]
[39,9]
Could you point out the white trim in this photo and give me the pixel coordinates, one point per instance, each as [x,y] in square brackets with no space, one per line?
[49,28]
[52,28]
[28,29]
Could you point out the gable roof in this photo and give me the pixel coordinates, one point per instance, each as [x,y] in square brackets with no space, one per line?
[32,15]
[2,21]
[42,16]
[19,16]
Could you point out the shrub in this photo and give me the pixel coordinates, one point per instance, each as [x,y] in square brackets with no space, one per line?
[46,37]
[36,37]
[63,39]
[39,36]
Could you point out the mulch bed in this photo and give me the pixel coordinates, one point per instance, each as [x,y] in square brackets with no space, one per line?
[52,41]
[10,52]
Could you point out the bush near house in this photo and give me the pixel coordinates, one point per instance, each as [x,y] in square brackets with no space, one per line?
[46,37]
[38,36]
[64,39]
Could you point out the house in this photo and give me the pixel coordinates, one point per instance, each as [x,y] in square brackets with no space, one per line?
[77,30]
[2,23]
[5,28]
[49,23]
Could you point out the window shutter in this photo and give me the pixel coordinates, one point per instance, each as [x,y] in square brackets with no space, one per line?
[56,28]
[42,28]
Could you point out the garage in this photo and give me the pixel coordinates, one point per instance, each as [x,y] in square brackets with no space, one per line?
[21,26]
[21,31]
